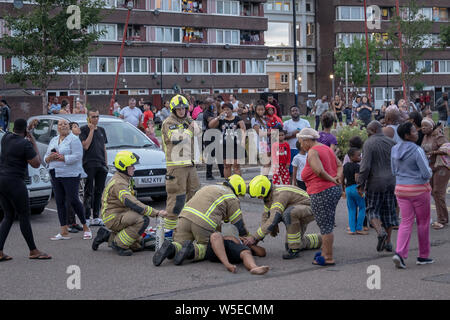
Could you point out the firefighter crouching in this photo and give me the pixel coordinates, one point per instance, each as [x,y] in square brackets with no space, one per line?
[200,217]
[178,132]
[122,213]
[289,204]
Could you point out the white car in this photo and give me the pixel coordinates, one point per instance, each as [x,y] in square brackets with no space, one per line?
[38,185]
[150,173]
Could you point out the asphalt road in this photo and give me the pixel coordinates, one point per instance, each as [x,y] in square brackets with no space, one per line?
[105,275]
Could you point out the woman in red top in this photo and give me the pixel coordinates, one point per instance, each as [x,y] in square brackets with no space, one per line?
[323,178]
[281,159]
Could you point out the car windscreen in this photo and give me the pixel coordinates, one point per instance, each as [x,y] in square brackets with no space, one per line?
[123,135]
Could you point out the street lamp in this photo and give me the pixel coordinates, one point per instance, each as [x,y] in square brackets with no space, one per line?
[332,84]
[161,72]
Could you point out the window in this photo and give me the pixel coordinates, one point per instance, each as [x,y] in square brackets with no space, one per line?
[426,13]
[168,34]
[308,7]
[390,66]
[424,66]
[440,14]
[41,132]
[277,34]
[228,7]
[442,66]
[198,66]
[136,65]
[227,66]
[255,66]
[18,63]
[348,38]
[227,36]
[102,65]
[168,5]
[170,65]
[308,58]
[350,13]
[284,78]
[109,31]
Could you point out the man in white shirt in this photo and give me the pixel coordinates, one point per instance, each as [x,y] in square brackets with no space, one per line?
[131,114]
[292,127]
[235,104]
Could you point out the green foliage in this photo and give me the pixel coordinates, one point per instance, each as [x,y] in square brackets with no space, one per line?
[345,134]
[355,56]
[418,86]
[445,36]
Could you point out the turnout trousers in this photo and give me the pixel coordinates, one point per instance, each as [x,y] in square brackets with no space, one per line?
[127,229]
[187,230]
[181,185]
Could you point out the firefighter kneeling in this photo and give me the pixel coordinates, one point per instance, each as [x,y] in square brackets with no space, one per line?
[289,204]
[122,213]
[200,217]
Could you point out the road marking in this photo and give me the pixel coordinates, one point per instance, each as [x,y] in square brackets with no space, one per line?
[51,209]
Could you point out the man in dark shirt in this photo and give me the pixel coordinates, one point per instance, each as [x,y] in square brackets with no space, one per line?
[95,165]
[271,100]
[18,149]
[441,107]
[376,178]
[208,114]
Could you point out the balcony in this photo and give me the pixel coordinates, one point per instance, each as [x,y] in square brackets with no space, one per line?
[251,38]
[135,33]
[193,6]
[249,9]
[194,35]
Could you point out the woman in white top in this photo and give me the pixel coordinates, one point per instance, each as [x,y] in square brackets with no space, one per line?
[64,160]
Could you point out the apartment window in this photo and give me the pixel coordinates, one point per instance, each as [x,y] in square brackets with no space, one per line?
[308,7]
[442,66]
[440,14]
[424,66]
[390,66]
[228,7]
[350,13]
[109,31]
[18,63]
[277,34]
[168,5]
[227,66]
[136,65]
[102,65]
[426,13]
[255,66]
[284,77]
[168,34]
[170,65]
[97,92]
[347,39]
[227,36]
[198,66]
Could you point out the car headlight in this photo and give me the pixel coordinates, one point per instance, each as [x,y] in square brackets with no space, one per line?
[45,176]
[36,178]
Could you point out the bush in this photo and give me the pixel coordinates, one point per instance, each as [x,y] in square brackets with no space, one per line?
[343,137]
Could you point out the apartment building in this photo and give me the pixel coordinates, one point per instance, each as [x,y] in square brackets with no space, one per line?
[207,46]
[342,21]
[280,41]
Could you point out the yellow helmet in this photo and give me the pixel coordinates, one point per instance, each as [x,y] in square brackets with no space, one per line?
[124,159]
[259,186]
[237,183]
[178,102]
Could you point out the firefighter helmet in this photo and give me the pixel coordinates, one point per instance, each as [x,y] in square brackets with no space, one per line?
[124,159]
[237,183]
[178,102]
[259,186]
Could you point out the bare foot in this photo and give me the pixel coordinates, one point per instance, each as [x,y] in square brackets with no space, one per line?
[260,270]
[231,268]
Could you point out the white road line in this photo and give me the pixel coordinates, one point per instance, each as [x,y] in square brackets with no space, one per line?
[51,209]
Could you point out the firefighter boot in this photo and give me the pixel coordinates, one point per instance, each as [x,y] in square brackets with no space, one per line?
[121,251]
[102,236]
[291,254]
[167,250]
[186,252]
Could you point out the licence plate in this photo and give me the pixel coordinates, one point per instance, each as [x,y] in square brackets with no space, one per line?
[152,180]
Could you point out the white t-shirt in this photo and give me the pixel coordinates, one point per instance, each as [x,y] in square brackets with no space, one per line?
[290,126]
[132,116]
[299,162]
[235,107]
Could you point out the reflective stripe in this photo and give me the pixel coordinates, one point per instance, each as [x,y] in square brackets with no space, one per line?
[106,195]
[235,215]
[219,201]
[266,209]
[127,236]
[189,132]
[149,211]
[178,163]
[293,238]
[294,235]
[122,193]
[201,252]
[108,218]
[170,224]
[260,233]
[298,191]
[177,245]
[277,205]
[201,215]
[126,240]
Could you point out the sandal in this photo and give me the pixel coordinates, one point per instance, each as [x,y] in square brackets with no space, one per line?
[437,226]
[5,258]
[87,235]
[41,256]
[351,233]
[59,236]
[320,261]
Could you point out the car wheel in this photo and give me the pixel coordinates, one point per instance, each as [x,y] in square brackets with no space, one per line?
[159,198]
[38,210]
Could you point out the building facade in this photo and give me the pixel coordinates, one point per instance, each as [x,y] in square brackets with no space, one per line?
[207,47]
[280,41]
[341,21]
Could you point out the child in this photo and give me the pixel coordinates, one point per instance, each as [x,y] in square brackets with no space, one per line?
[150,132]
[298,164]
[355,200]
[148,115]
[281,159]
[273,121]
[354,142]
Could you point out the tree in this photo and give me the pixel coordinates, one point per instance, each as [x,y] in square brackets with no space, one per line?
[355,56]
[415,29]
[45,45]
[445,36]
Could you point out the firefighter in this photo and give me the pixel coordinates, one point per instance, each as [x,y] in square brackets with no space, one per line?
[289,204]
[201,217]
[182,181]
[122,213]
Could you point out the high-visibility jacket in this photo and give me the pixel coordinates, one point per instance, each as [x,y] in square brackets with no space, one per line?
[178,134]
[119,197]
[212,205]
[275,204]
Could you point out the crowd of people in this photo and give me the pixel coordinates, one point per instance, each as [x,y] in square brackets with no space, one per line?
[386,179]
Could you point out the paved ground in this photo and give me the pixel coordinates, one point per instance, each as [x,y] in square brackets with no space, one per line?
[104,275]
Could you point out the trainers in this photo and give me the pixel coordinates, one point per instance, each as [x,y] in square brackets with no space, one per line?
[398,261]
[424,261]
[121,251]
[291,254]
[381,241]
[77,227]
[167,250]
[102,236]
[186,252]
[388,247]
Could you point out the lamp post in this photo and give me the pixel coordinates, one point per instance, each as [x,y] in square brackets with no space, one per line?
[332,85]
[161,72]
